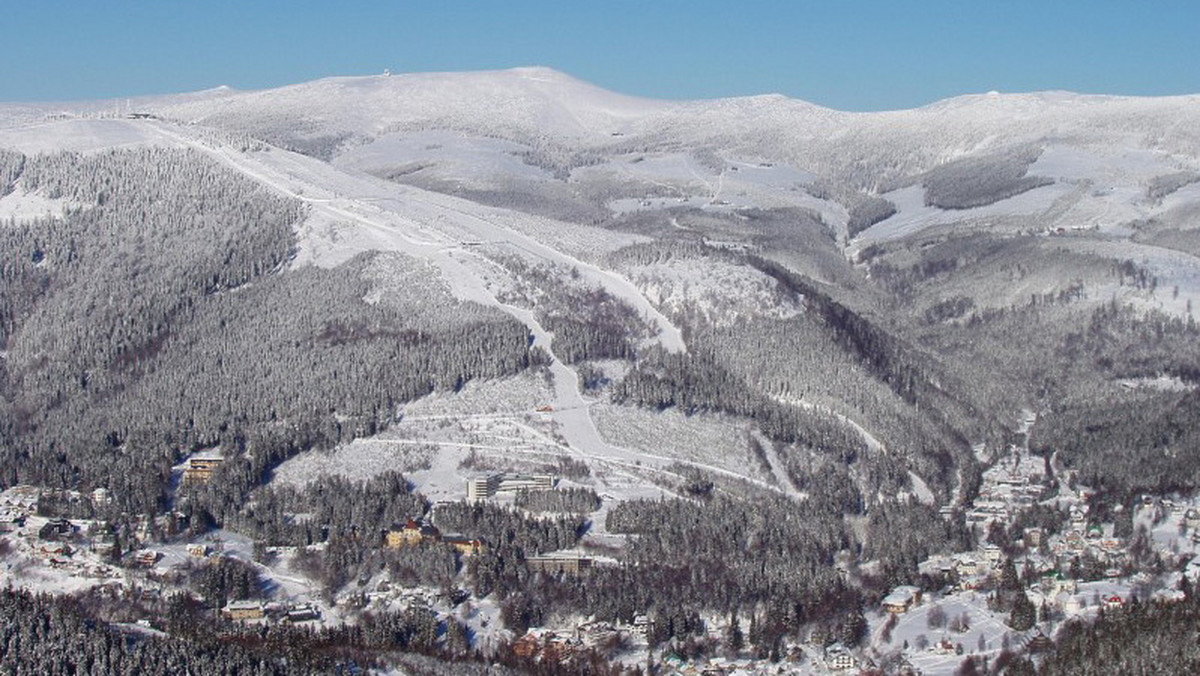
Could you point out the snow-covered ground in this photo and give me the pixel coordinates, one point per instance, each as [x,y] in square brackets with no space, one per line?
[21,205]
[913,215]
[79,135]
[913,629]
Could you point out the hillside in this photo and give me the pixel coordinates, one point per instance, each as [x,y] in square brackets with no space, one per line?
[710,316]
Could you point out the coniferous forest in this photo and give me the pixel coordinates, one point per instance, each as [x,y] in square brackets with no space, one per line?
[899,392]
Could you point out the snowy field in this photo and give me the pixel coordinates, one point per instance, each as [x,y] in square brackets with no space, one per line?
[20,205]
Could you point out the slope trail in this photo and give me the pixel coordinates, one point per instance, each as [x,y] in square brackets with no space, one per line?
[393,218]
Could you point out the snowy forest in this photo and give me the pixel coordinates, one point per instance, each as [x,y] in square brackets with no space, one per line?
[719,394]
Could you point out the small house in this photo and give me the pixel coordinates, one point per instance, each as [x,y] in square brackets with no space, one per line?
[901,599]
[146,557]
[56,529]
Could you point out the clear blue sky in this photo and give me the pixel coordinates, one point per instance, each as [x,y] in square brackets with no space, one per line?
[847,54]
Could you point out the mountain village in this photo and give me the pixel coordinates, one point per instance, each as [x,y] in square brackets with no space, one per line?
[1036,539]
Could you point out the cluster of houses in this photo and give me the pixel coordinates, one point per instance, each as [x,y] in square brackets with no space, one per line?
[1009,486]
[559,648]
[59,543]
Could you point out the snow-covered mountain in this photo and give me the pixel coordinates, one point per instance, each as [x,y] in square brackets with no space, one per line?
[759,243]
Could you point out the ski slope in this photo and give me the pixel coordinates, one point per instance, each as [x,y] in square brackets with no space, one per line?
[387,217]
[439,228]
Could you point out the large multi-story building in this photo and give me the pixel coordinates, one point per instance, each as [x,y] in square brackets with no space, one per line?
[560,563]
[201,470]
[411,533]
[483,487]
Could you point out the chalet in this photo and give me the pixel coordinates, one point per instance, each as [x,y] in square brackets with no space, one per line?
[464,545]
[838,658]
[642,625]
[411,533]
[966,566]
[146,557]
[901,599]
[56,529]
[198,550]
[244,610]
[559,563]
[1114,601]
[1039,642]
[200,470]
